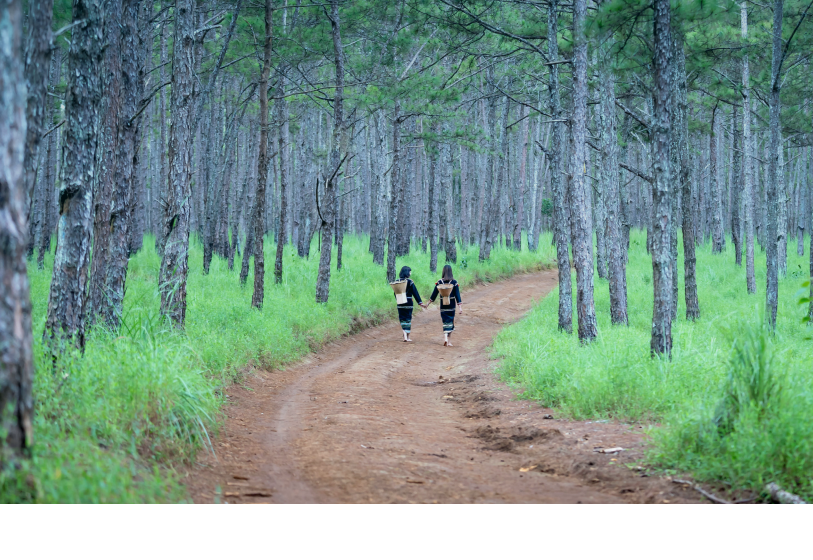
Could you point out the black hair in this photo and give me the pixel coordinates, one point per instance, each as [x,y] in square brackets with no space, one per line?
[447,275]
[405,271]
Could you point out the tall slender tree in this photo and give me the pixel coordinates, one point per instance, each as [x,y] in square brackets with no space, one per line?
[176,216]
[67,297]
[16,359]
[259,223]
[662,192]
[582,219]
[336,160]
[561,210]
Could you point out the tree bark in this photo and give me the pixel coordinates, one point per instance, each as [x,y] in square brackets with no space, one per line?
[395,180]
[716,186]
[329,201]
[662,192]
[486,237]
[106,179]
[748,161]
[681,130]
[781,212]
[736,188]
[132,86]
[160,189]
[561,210]
[447,202]
[176,216]
[47,192]
[16,358]
[582,224]
[380,181]
[67,298]
[281,105]
[433,203]
[616,263]
[772,238]
[37,58]
[259,221]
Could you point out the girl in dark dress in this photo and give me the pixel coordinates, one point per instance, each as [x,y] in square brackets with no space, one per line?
[447,311]
[405,309]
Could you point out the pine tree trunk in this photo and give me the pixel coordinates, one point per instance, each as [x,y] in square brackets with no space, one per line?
[486,237]
[582,219]
[176,215]
[47,192]
[208,189]
[681,130]
[781,213]
[736,189]
[716,187]
[336,161]
[772,190]
[132,87]
[465,198]
[259,218]
[617,269]
[67,298]
[161,189]
[662,192]
[433,201]
[446,187]
[517,198]
[748,149]
[395,181]
[804,190]
[497,215]
[561,209]
[37,58]
[381,188]
[281,106]
[16,358]
[106,180]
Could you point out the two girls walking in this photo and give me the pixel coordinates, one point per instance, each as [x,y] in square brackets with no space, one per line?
[448,303]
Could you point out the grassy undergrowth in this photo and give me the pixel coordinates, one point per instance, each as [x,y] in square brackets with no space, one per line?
[113,425]
[734,404]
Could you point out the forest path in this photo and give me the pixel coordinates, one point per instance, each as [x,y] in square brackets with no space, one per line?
[369,419]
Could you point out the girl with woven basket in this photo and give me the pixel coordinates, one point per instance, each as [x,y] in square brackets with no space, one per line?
[405,293]
[449,292]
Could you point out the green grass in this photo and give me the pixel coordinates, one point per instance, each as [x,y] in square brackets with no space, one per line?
[118,423]
[734,403]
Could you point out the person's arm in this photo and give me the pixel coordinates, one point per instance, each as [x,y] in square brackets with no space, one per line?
[434,294]
[415,293]
[457,297]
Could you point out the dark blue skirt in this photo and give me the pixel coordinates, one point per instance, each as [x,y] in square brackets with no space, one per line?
[447,318]
[405,317]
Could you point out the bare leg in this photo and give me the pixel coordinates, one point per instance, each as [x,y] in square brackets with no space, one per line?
[448,339]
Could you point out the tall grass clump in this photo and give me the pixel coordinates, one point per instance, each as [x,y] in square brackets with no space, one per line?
[116,423]
[734,403]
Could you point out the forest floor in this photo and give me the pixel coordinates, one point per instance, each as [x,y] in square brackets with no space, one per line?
[370,418]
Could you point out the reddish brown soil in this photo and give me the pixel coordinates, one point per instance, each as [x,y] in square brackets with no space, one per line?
[372,419]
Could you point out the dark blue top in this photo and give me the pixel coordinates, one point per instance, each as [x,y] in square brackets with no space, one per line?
[411,292]
[454,297]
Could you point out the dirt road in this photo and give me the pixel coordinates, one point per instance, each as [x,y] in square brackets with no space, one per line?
[372,419]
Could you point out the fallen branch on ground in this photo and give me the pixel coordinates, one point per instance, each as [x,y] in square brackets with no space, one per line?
[708,495]
[782,496]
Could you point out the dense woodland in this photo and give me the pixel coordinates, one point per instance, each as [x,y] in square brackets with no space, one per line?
[436,126]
